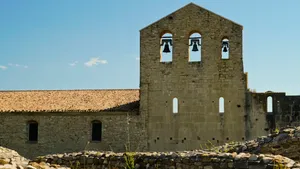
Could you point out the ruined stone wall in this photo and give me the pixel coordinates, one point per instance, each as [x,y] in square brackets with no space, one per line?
[71,131]
[285,112]
[285,142]
[197,85]
[168,160]
[256,117]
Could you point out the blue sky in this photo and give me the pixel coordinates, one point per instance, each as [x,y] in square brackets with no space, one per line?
[94,44]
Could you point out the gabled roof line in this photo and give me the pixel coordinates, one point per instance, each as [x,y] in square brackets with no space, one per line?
[191,3]
[165,16]
[218,15]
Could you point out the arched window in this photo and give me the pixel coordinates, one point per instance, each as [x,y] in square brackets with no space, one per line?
[270,104]
[221,105]
[166,47]
[195,47]
[175,105]
[225,49]
[32,130]
[96,130]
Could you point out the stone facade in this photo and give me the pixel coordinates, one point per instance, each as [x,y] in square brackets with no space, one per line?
[68,132]
[143,119]
[197,85]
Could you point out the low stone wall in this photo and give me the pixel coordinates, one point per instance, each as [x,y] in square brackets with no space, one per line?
[285,142]
[10,159]
[169,160]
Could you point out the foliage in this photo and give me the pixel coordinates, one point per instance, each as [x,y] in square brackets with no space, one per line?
[278,165]
[129,160]
[76,166]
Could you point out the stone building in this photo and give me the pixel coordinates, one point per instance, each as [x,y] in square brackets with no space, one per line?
[193,90]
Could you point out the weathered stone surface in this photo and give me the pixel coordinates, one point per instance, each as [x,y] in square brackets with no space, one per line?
[71,132]
[182,160]
[286,143]
[10,159]
[197,85]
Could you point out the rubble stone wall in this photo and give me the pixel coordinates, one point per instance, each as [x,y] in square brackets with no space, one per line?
[170,160]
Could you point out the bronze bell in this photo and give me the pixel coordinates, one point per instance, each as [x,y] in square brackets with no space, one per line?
[195,48]
[166,48]
[225,46]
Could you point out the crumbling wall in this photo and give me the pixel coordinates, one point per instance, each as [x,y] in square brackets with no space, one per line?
[169,160]
[288,111]
[285,112]
[256,116]
[285,142]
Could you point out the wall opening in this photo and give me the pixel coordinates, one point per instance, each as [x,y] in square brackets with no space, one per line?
[195,47]
[269,104]
[175,105]
[221,105]
[32,131]
[166,47]
[225,49]
[96,130]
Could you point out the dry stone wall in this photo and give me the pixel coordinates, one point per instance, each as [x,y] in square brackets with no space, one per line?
[285,142]
[169,160]
[10,159]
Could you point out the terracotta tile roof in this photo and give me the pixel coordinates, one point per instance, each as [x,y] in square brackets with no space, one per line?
[69,100]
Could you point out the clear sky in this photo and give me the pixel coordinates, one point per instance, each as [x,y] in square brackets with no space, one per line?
[94,44]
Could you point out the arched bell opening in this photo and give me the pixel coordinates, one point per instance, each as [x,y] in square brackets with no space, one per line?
[166,47]
[225,49]
[195,47]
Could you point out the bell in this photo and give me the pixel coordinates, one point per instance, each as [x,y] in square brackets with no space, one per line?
[225,45]
[166,48]
[195,48]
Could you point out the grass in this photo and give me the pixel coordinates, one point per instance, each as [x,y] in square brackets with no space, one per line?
[129,160]
[76,166]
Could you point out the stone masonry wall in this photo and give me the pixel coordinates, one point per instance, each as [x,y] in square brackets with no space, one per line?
[71,132]
[197,85]
[285,142]
[257,124]
[285,112]
[168,160]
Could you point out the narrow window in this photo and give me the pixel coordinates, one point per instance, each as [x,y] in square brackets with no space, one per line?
[270,104]
[175,105]
[195,48]
[32,131]
[96,130]
[166,48]
[221,105]
[225,49]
